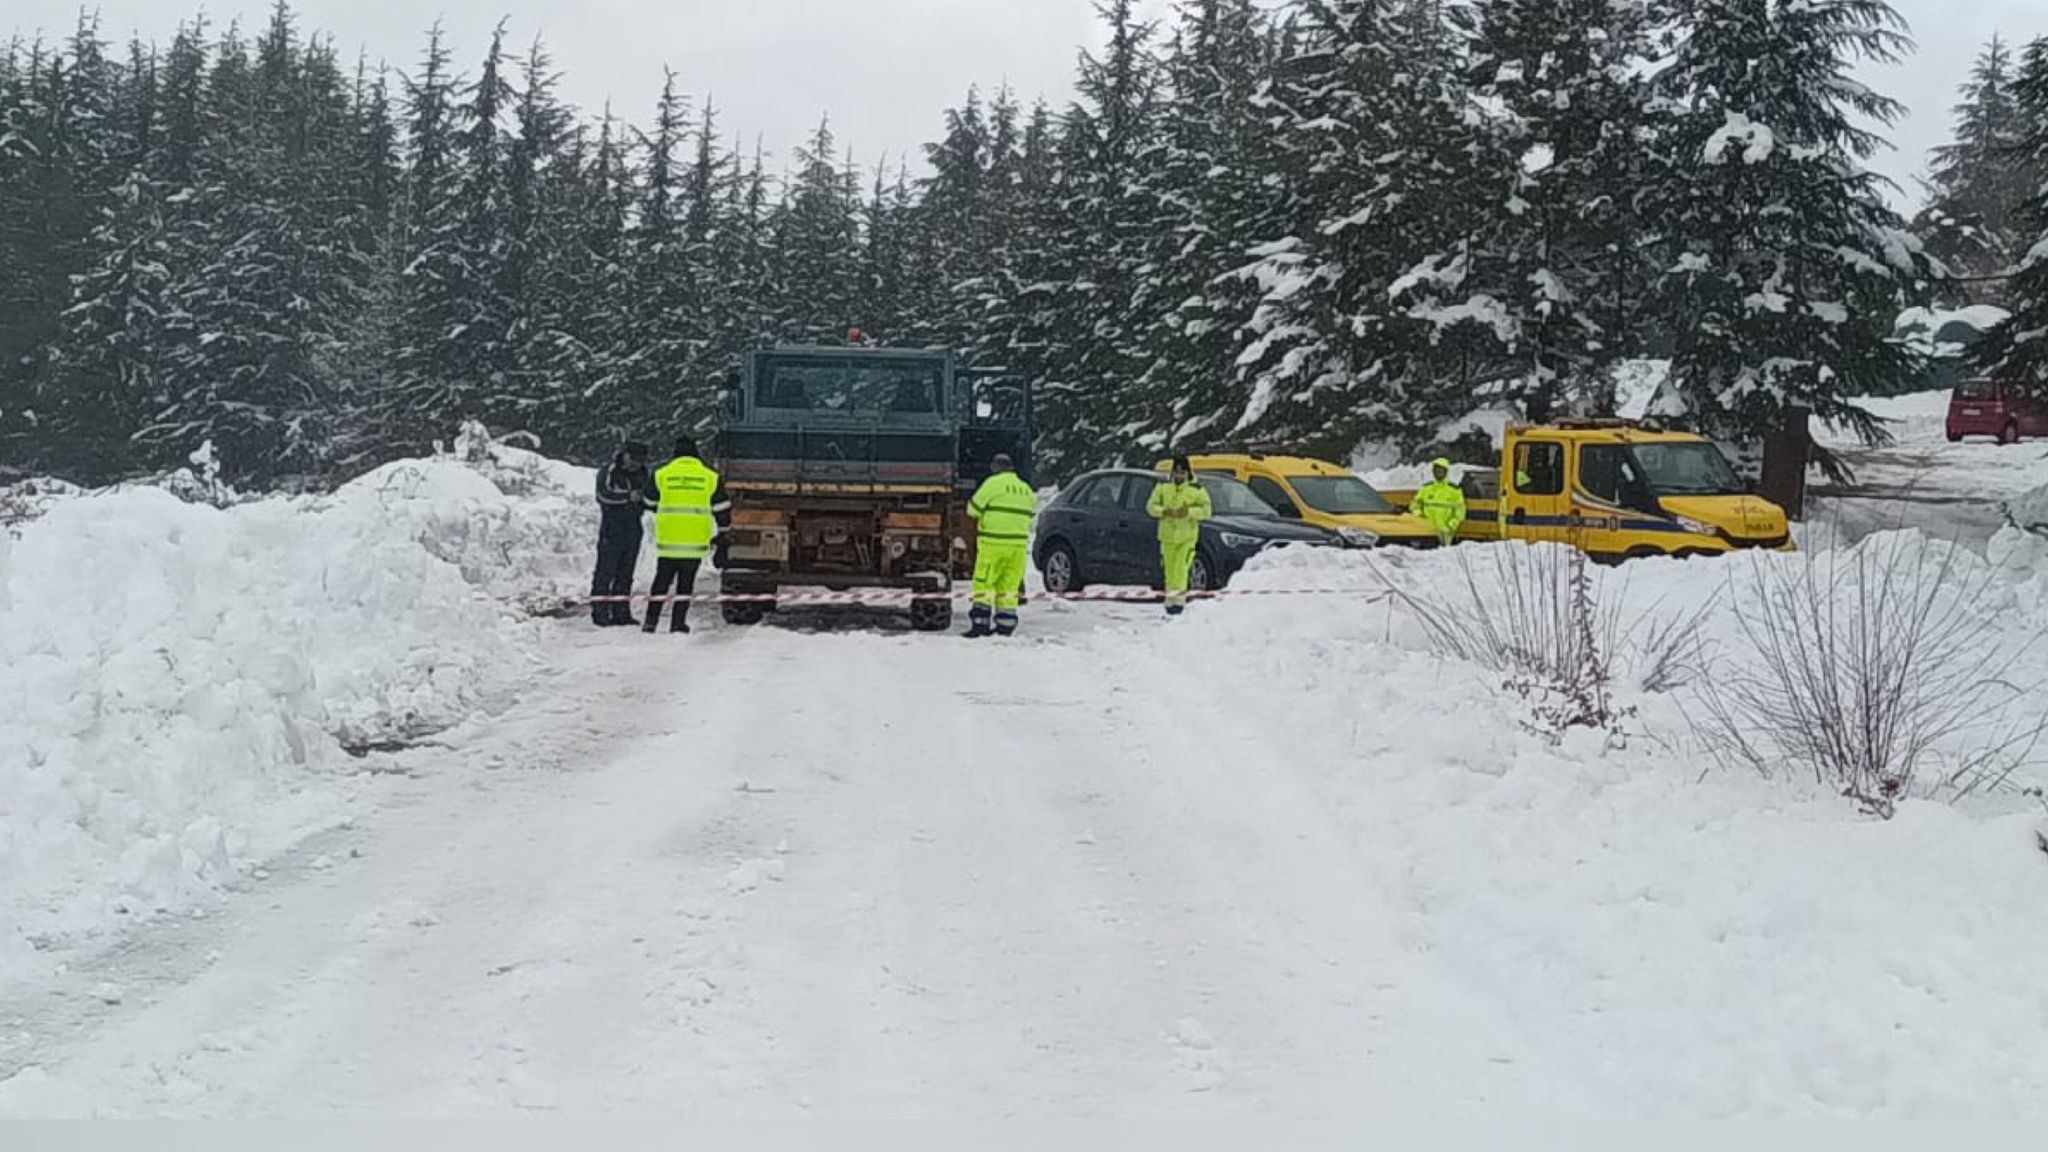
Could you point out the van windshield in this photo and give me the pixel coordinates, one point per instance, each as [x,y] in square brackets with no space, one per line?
[1339,495]
[1229,497]
[1687,469]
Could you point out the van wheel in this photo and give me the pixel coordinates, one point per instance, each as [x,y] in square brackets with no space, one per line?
[742,615]
[1643,552]
[2010,434]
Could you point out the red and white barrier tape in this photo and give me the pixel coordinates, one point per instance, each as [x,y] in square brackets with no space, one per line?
[905,596]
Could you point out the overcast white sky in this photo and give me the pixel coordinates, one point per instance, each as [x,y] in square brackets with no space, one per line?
[884,69]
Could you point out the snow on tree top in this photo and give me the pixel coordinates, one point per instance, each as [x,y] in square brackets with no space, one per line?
[1756,139]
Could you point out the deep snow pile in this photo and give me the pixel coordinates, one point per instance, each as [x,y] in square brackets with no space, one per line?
[178,682]
[1692,938]
[2029,510]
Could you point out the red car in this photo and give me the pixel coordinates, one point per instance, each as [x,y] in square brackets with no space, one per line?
[1995,408]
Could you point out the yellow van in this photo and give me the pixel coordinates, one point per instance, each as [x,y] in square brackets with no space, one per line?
[1320,493]
[1616,489]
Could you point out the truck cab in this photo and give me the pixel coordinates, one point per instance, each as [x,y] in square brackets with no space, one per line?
[851,467]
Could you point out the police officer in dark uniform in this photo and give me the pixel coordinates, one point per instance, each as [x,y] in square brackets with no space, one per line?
[625,490]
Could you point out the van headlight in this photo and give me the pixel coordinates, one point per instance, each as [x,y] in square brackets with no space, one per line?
[1358,537]
[1238,543]
[1698,527]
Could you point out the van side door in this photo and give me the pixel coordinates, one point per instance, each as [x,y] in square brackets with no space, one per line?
[1534,501]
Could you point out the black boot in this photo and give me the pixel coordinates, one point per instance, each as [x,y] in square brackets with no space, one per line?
[978,623]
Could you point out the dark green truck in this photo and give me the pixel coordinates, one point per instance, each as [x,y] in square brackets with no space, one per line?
[851,467]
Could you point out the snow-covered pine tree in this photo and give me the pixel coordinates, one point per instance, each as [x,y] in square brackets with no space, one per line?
[1560,247]
[1018,326]
[1089,293]
[593,282]
[478,353]
[976,306]
[270,268]
[1979,181]
[890,304]
[537,271]
[1207,183]
[668,332]
[427,391]
[111,353]
[955,240]
[817,234]
[2017,349]
[1784,265]
[60,178]
[1380,162]
[743,263]
[374,178]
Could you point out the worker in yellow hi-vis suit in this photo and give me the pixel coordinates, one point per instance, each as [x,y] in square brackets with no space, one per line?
[1440,502]
[1180,505]
[1001,509]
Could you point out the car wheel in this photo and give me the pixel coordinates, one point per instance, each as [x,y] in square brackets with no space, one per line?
[1062,569]
[2010,434]
[1955,437]
[1201,575]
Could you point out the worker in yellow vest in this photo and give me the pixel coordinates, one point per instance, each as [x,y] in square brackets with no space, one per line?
[1001,509]
[692,511]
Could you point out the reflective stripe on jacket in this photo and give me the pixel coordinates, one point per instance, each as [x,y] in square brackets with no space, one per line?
[1002,508]
[1167,497]
[1442,504]
[692,506]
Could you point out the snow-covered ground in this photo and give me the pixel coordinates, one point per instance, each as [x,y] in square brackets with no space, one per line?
[1276,856]
[1952,491]
[189,690]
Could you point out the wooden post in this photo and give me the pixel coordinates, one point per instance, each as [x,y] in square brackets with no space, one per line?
[1786,452]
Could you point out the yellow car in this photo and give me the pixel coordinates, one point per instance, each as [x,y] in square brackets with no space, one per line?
[1320,493]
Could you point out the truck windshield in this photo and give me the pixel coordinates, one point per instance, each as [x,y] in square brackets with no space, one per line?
[827,384]
[1228,497]
[1687,469]
[1339,495]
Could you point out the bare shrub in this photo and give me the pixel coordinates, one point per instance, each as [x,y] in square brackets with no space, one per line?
[1537,616]
[1880,668]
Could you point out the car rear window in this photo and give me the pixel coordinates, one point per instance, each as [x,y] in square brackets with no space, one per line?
[1977,390]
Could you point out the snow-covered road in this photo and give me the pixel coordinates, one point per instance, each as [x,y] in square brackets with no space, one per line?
[1279,856]
[750,872]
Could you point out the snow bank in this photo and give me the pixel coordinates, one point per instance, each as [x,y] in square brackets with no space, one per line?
[179,681]
[1688,940]
[2029,510]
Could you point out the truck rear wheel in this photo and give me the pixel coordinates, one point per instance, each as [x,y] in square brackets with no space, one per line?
[931,615]
[742,615]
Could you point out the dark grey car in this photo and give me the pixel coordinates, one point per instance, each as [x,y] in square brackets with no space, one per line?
[1096,531]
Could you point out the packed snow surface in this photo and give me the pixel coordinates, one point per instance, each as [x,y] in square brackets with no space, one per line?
[1278,855]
